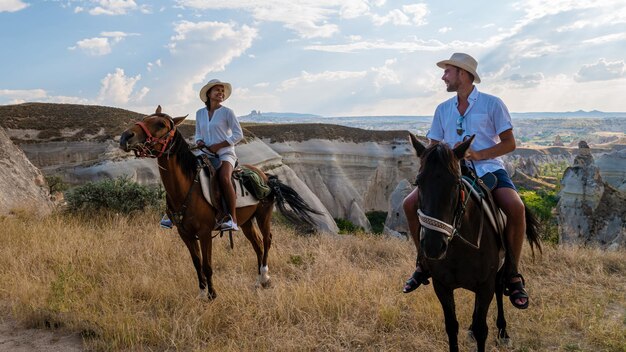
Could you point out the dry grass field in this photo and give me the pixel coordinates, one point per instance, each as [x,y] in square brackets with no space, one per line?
[125,284]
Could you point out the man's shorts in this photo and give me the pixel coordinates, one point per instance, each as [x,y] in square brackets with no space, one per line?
[504,180]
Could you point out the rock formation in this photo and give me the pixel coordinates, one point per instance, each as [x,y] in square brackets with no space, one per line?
[22,185]
[395,224]
[589,210]
[613,168]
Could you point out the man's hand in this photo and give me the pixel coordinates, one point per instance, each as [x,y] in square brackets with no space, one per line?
[200,143]
[471,154]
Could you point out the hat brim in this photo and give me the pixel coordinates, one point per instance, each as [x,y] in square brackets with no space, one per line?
[227,90]
[459,64]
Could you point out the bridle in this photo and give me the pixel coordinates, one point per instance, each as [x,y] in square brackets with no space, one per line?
[449,231]
[147,148]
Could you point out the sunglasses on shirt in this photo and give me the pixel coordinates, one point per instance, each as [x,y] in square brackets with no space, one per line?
[459,125]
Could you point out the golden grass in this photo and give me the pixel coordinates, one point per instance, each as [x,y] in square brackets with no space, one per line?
[125,284]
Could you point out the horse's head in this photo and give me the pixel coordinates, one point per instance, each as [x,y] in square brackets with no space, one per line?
[439,182]
[151,136]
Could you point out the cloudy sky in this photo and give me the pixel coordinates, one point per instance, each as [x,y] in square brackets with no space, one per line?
[326,57]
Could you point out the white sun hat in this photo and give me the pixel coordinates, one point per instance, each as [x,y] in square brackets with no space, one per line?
[215,82]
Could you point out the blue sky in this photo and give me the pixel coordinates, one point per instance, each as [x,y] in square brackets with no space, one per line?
[326,57]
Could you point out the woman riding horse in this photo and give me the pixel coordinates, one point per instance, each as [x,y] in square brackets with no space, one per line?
[157,136]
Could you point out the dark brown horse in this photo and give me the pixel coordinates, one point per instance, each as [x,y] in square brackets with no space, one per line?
[460,248]
[157,136]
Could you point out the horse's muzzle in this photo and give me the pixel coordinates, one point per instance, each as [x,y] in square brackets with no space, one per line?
[124,140]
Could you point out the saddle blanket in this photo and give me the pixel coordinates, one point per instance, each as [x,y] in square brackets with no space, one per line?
[244,197]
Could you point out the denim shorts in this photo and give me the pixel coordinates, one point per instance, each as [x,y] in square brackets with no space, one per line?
[504,180]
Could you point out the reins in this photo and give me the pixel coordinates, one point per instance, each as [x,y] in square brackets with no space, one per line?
[451,231]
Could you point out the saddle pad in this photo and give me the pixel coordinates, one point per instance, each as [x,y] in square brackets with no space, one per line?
[242,200]
[497,220]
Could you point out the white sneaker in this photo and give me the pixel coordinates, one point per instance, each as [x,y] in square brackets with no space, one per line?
[229,225]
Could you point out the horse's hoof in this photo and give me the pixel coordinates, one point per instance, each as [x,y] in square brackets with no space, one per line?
[266,284]
[470,336]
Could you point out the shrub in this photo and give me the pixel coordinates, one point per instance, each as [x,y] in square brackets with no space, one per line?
[542,203]
[120,194]
[56,184]
[346,226]
[377,220]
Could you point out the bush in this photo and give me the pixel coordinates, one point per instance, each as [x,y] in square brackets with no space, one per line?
[542,203]
[56,184]
[120,195]
[346,226]
[377,220]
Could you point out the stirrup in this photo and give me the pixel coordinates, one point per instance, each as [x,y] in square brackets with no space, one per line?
[516,290]
[418,278]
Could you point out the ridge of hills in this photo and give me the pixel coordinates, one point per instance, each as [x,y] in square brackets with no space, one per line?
[50,122]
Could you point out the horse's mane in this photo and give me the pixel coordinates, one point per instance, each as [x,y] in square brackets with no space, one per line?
[184,157]
[440,156]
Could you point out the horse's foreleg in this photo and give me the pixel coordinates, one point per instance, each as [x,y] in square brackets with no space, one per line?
[503,337]
[264,218]
[446,298]
[479,319]
[253,236]
[206,244]
[196,257]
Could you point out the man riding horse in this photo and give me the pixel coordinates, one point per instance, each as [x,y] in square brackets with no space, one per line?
[471,112]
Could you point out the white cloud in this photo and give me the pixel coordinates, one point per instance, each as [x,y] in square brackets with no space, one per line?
[444,29]
[113,7]
[262,85]
[525,81]
[601,71]
[24,94]
[99,46]
[37,95]
[78,9]
[396,17]
[314,18]
[385,75]
[418,11]
[94,46]
[306,78]
[198,50]
[606,38]
[407,46]
[12,5]
[308,18]
[151,65]
[117,88]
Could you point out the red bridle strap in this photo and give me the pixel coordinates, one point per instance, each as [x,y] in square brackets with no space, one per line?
[151,141]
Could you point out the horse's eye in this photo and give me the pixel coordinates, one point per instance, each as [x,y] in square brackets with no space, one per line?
[161,125]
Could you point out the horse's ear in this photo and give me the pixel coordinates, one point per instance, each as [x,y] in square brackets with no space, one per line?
[459,151]
[178,120]
[158,110]
[419,147]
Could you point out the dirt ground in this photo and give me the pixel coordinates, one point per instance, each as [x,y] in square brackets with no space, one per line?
[14,338]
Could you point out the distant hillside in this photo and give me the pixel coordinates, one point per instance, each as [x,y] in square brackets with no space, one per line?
[67,122]
[308,131]
[45,122]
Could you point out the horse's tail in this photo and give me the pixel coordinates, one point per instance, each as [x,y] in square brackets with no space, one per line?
[532,230]
[301,211]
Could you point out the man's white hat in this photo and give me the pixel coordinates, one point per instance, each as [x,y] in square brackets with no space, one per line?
[463,61]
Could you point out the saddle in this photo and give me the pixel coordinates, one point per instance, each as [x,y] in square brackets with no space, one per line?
[480,189]
[248,185]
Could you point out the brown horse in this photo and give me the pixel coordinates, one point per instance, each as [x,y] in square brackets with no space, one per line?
[157,136]
[461,248]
